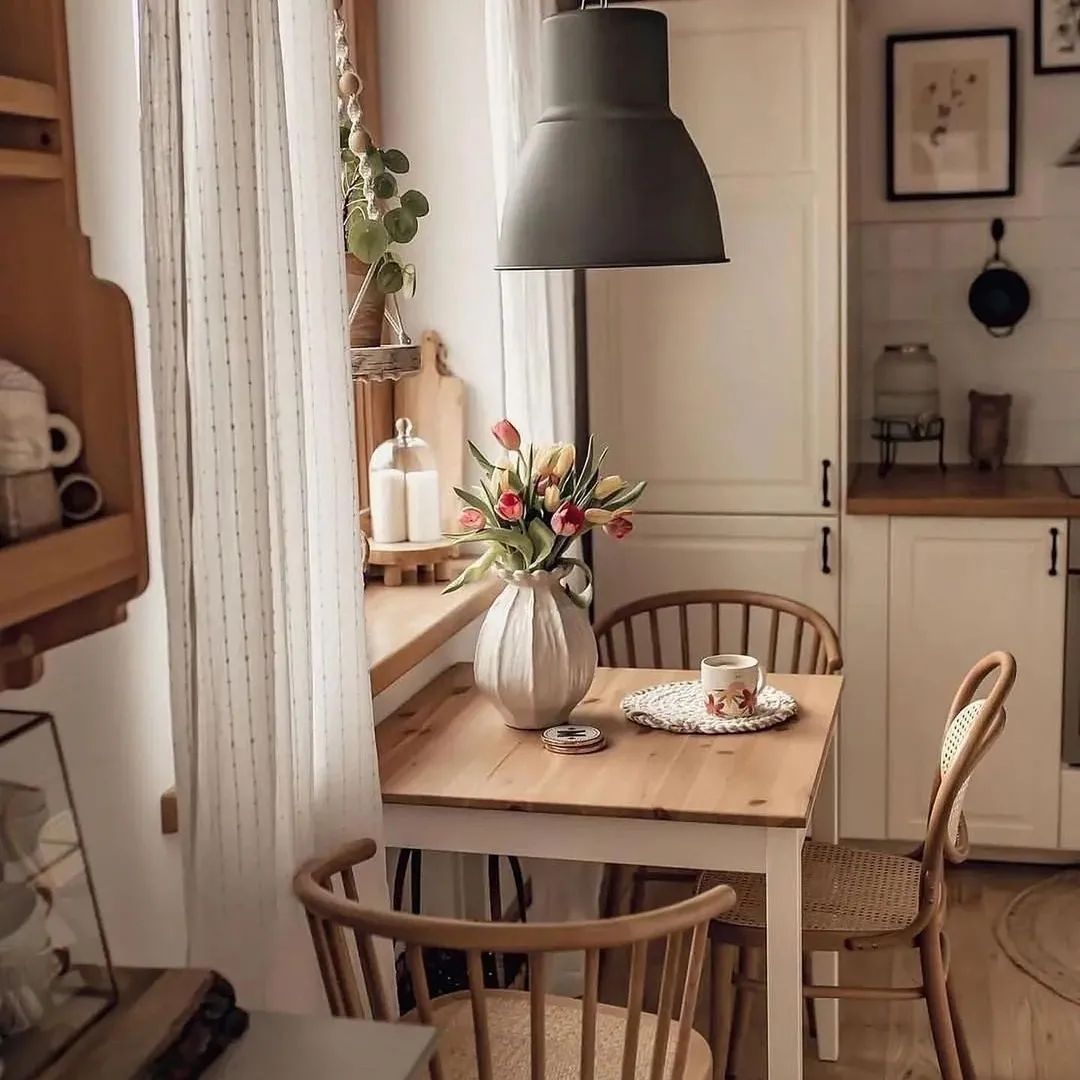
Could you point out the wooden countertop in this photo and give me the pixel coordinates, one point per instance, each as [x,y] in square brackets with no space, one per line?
[405,624]
[1021,491]
[448,747]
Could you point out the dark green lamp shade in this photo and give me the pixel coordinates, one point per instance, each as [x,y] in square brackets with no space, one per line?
[608,175]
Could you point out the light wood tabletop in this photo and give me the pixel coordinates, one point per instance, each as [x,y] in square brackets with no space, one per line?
[449,747]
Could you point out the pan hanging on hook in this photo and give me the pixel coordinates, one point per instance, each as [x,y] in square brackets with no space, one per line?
[999,297]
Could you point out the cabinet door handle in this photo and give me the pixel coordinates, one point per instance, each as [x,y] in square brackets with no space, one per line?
[825,466]
[826,532]
[1053,552]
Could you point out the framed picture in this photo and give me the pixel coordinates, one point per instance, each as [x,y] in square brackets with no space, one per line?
[1057,36]
[950,103]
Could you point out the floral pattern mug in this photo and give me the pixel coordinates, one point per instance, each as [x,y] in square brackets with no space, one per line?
[731,683]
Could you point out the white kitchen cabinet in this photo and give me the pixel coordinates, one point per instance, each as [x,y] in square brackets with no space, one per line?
[720,384]
[960,588]
[671,552]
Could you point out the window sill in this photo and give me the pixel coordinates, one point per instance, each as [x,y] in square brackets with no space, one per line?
[404,625]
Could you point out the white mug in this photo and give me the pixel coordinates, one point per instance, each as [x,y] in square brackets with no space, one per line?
[27,427]
[731,684]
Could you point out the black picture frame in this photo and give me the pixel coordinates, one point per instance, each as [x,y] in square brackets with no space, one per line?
[891,43]
[1041,67]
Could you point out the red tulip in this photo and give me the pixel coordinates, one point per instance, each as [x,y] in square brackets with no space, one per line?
[568,520]
[506,435]
[510,506]
[471,519]
[618,527]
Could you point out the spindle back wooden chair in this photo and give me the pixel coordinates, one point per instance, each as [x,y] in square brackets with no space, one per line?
[855,899]
[787,636]
[512,1034]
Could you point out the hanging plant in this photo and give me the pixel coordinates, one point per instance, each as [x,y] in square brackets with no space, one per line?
[378,217]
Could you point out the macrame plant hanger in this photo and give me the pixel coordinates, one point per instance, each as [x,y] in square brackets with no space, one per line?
[375,362]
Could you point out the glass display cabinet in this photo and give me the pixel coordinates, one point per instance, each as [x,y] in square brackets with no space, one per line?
[55,975]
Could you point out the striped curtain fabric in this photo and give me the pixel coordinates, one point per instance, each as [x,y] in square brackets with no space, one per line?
[271,702]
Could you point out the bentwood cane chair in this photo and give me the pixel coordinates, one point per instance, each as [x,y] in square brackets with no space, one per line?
[790,637]
[854,899]
[510,1034]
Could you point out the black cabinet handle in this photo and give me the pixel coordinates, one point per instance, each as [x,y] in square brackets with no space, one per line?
[826,532]
[1053,552]
[825,465]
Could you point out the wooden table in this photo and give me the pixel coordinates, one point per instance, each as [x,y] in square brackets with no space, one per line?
[455,778]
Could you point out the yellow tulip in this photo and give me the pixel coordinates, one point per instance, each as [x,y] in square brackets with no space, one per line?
[607,487]
[552,498]
[499,479]
[564,462]
[543,459]
[596,516]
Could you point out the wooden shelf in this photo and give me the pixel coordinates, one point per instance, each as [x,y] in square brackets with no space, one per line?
[25,97]
[30,165]
[49,571]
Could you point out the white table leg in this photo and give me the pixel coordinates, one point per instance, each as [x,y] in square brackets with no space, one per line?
[825,966]
[783,902]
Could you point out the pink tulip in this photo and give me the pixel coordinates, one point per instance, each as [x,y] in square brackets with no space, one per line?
[506,435]
[618,527]
[568,520]
[471,519]
[510,506]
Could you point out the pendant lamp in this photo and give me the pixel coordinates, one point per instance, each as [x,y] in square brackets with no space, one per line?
[608,175]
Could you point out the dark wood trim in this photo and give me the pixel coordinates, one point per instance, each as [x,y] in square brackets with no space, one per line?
[890,116]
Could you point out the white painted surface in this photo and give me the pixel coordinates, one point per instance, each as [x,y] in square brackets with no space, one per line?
[864,639]
[434,107]
[720,384]
[919,259]
[960,588]
[1070,809]
[783,952]
[669,552]
[109,692]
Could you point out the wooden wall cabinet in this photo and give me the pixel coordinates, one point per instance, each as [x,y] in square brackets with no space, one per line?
[74,332]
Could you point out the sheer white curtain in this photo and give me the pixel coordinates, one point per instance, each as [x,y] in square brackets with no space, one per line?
[271,700]
[537,308]
[538,367]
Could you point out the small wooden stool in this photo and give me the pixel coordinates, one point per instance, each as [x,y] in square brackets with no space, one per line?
[412,562]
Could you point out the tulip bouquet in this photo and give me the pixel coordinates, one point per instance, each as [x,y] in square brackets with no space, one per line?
[533,501]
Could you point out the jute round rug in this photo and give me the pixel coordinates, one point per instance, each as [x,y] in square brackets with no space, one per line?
[1040,933]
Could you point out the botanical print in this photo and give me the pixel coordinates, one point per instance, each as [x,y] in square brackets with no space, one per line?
[733,700]
[1064,28]
[1057,36]
[950,119]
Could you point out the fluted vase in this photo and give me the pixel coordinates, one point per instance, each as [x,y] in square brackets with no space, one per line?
[536,654]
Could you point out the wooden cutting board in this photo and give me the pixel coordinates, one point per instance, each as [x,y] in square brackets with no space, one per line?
[434,400]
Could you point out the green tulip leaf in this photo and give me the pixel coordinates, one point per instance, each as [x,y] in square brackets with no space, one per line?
[415,202]
[400,225]
[395,161]
[389,277]
[474,571]
[384,185]
[367,239]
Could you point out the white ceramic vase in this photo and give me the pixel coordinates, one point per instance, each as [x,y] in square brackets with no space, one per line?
[536,654]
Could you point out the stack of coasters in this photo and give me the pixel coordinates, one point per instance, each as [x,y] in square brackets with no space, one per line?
[573,739]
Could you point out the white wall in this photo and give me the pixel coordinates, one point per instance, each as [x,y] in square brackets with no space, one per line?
[917,260]
[434,107]
[109,692]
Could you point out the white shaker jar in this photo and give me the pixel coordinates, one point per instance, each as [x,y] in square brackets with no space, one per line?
[405,491]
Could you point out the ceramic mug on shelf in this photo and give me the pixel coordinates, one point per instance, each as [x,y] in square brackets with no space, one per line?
[31,438]
[731,683]
[28,965]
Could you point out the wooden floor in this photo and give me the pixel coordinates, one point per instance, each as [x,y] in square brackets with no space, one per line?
[1018,1029]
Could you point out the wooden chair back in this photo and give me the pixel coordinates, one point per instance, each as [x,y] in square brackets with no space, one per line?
[791,638]
[973,725]
[327,889]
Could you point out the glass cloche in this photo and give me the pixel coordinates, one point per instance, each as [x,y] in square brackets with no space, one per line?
[906,386]
[404,486]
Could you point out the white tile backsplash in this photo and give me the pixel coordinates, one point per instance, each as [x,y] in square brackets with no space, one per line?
[911,296]
[912,247]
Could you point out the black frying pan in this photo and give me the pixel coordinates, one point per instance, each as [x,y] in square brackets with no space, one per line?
[999,297]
